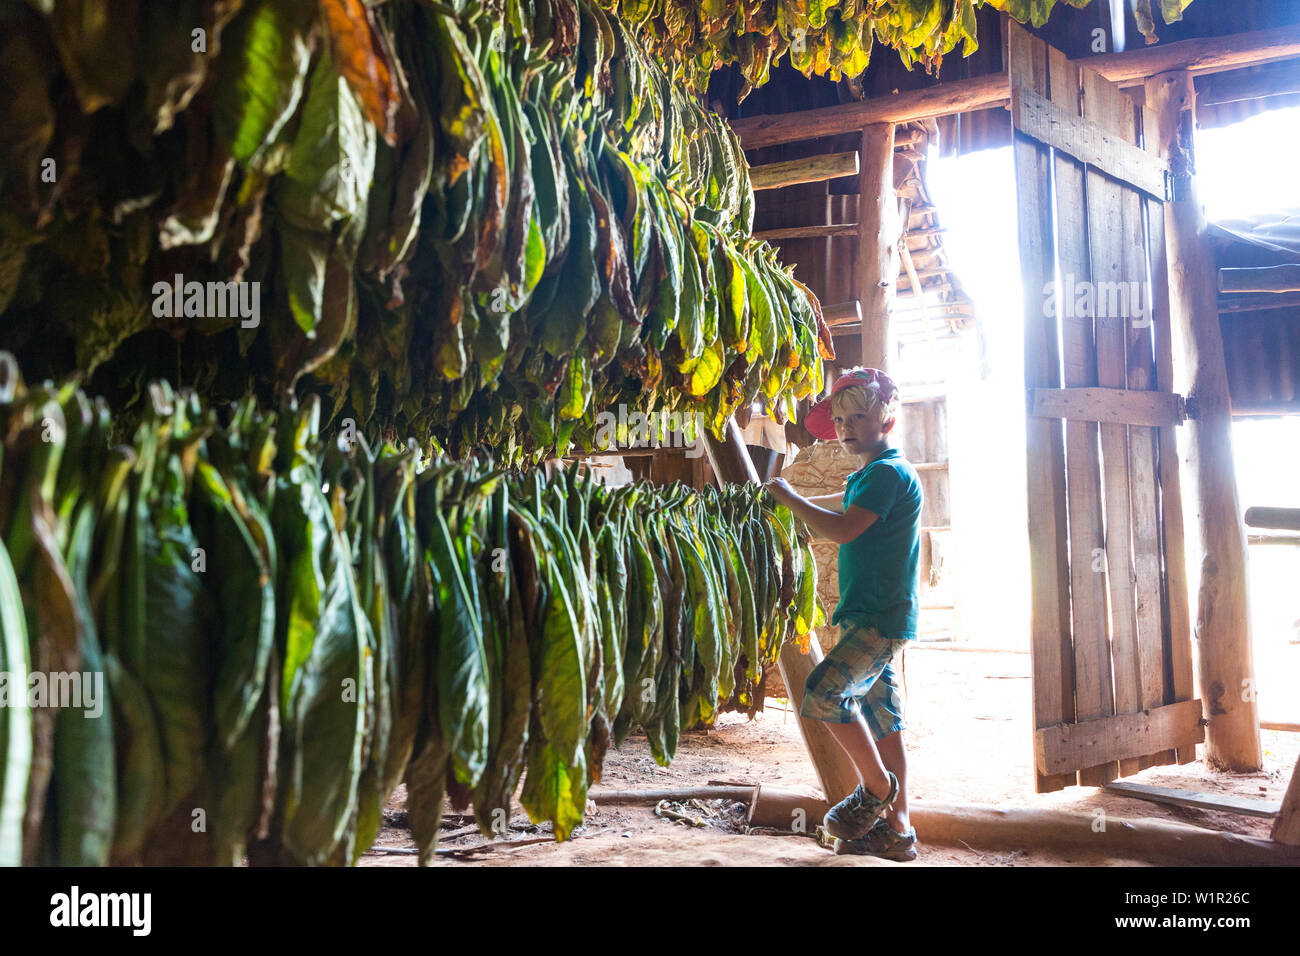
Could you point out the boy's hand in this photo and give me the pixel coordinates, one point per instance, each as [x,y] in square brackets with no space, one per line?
[779,489]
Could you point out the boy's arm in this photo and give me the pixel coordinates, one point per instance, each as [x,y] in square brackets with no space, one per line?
[833,502]
[839,526]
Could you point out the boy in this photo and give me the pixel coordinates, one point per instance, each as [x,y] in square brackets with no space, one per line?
[877,522]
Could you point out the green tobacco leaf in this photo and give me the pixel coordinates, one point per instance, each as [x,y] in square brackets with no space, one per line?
[265,53]
[15,717]
[84,780]
[96,40]
[461,667]
[322,628]
[332,163]
[243,584]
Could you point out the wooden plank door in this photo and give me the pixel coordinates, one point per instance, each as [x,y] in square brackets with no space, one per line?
[1111,642]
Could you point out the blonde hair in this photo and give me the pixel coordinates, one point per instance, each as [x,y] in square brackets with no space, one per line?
[859,398]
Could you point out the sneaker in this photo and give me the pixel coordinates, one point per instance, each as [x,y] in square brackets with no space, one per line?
[882,840]
[852,817]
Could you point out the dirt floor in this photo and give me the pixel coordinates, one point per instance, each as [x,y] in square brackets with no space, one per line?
[968,741]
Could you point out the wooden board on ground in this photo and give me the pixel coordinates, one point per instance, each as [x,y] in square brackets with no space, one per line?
[1200,801]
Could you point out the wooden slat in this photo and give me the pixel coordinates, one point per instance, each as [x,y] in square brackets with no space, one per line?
[1059,127]
[1144,479]
[1103,110]
[843,313]
[1116,405]
[830,231]
[1177,614]
[810,169]
[1093,693]
[1284,278]
[1053,693]
[1258,302]
[1175,797]
[1104,740]
[1121,119]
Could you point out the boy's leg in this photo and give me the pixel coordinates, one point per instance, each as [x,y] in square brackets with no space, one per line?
[895,759]
[883,711]
[869,762]
[835,691]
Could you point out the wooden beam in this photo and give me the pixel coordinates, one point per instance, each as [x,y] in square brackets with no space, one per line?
[810,169]
[832,231]
[844,313]
[622,798]
[1259,302]
[1284,278]
[943,99]
[877,254]
[1281,519]
[1285,540]
[1087,142]
[1217,549]
[1280,79]
[1198,56]
[1119,406]
[1117,736]
[1247,409]
[1174,797]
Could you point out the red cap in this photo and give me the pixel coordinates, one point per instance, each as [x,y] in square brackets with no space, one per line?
[818,420]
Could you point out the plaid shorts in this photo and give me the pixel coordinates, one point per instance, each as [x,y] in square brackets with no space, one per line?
[857,677]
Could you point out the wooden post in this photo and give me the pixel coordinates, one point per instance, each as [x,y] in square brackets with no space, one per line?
[877,262]
[1217,554]
[1286,829]
[731,462]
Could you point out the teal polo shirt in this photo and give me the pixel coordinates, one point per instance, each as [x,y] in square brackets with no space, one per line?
[878,568]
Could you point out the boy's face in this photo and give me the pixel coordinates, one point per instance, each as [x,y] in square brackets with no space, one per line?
[857,431]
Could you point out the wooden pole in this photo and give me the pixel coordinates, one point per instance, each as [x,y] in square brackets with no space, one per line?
[1217,555]
[1286,829]
[1286,519]
[731,462]
[877,260]
[811,169]
[835,771]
